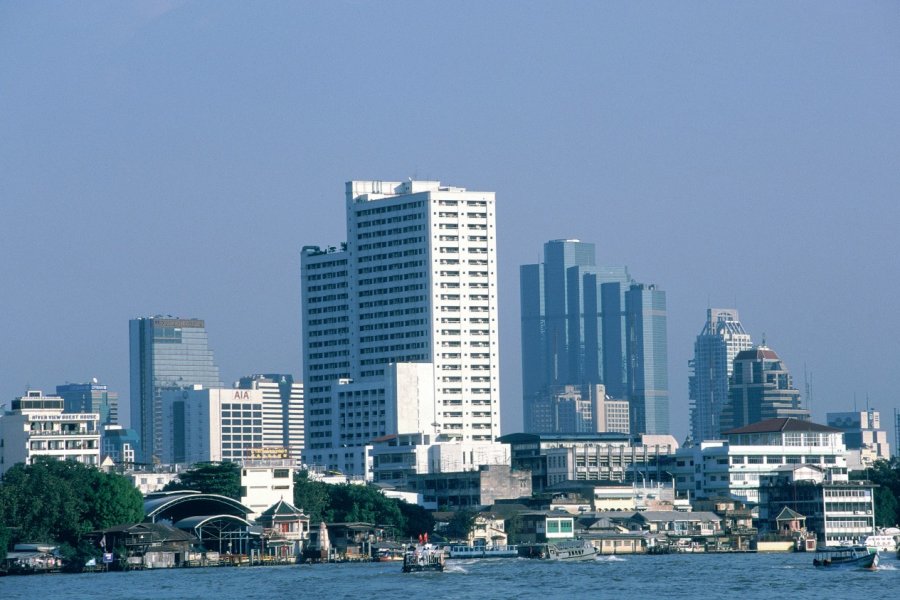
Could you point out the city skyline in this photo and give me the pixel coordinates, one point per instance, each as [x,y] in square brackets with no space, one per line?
[171,158]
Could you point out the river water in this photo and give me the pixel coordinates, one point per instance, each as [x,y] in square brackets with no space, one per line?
[712,576]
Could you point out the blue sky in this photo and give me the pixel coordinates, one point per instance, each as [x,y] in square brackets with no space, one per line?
[172,157]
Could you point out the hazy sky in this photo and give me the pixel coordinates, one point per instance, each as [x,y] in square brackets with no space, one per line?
[173,157]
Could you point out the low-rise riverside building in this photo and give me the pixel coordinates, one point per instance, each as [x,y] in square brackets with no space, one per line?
[837,511]
[556,458]
[37,426]
[264,483]
[676,522]
[285,529]
[397,458]
[545,526]
[149,481]
[481,487]
[732,467]
[488,530]
[750,460]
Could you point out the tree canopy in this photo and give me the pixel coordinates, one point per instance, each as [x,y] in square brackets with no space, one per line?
[223,478]
[60,501]
[885,474]
[364,503]
[312,497]
[461,524]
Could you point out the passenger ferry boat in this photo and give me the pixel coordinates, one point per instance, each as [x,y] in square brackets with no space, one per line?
[852,557]
[423,557]
[571,550]
[484,551]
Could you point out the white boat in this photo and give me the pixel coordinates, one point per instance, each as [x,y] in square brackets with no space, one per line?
[484,551]
[423,557]
[881,543]
[571,550]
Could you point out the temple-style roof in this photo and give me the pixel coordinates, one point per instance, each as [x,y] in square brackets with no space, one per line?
[281,511]
[787,514]
[781,425]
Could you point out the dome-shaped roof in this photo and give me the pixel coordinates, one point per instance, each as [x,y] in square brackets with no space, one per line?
[760,352]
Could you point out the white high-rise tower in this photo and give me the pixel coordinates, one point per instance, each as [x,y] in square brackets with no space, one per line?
[722,338]
[400,325]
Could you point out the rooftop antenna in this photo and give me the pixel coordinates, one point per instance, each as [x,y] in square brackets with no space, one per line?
[807,384]
[854,401]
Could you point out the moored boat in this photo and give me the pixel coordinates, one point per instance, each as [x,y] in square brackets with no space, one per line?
[851,557]
[423,557]
[484,551]
[881,543]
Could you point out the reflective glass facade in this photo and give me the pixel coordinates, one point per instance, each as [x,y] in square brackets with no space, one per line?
[718,344]
[166,353]
[647,355]
[573,326]
[90,397]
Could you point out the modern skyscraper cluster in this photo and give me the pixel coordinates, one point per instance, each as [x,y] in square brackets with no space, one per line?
[400,325]
[584,324]
[715,349]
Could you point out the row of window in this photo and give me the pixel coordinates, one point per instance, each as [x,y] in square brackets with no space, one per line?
[326,264]
[389,208]
[409,264]
[390,244]
[387,232]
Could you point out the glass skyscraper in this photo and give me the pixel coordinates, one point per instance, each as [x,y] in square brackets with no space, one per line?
[580,328]
[715,349]
[647,359]
[166,353]
[760,388]
[92,397]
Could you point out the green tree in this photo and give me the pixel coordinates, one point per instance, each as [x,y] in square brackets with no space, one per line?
[60,501]
[223,478]
[418,520]
[886,475]
[312,497]
[461,524]
[514,527]
[366,504]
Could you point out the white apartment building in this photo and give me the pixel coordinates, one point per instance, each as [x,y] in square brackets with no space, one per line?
[211,425]
[400,325]
[733,467]
[282,414]
[776,463]
[37,426]
[264,483]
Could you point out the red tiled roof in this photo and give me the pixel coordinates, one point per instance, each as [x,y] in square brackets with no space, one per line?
[758,353]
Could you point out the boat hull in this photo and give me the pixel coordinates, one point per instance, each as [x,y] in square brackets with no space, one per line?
[861,560]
